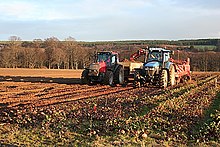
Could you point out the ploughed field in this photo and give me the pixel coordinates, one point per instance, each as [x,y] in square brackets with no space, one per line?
[53,104]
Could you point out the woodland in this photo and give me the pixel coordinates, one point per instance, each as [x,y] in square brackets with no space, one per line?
[53,53]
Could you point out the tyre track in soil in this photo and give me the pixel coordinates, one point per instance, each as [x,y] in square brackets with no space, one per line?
[66,98]
[52,94]
[53,97]
[61,95]
[43,94]
[107,93]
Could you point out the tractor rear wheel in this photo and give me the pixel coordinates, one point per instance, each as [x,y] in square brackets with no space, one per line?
[172,80]
[85,77]
[163,78]
[109,78]
[119,75]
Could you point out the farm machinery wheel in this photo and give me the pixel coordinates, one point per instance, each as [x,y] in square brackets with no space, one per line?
[109,78]
[185,79]
[119,75]
[136,82]
[163,78]
[85,77]
[172,80]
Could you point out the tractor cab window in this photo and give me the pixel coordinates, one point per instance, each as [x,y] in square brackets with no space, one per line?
[103,58]
[113,59]
[166,57]
[155,55]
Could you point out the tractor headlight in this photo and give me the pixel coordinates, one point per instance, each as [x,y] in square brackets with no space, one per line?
[93,72]
[149,68]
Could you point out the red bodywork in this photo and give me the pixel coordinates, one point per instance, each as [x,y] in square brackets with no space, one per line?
[182,68]
[136,55]
[103,67]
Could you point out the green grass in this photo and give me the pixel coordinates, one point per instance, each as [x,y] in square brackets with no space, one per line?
[205,47]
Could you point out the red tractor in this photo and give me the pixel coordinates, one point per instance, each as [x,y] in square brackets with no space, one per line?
[106,70]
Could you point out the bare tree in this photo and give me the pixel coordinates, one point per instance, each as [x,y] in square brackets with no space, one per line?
[70,39]
[71,45]
[37,43]
[87,56]
[6,57]
[41,57]
[50,45]
[59,57]
[78,56]
[14,38]
[15,45]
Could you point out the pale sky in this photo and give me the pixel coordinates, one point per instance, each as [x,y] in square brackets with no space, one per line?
[94,20]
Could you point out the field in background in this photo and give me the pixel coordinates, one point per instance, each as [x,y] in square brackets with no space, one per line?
[205,47]
[52,73]
[44,107]
[62,76]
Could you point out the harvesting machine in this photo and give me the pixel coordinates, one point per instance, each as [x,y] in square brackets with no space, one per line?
[161,70]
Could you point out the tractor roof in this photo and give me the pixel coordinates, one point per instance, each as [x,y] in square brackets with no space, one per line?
[104,52]
[159,49]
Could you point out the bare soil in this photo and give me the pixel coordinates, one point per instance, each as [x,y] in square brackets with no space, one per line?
[28,88]
[65,76]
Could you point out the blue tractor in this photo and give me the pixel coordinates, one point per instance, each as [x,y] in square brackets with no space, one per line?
[157,69]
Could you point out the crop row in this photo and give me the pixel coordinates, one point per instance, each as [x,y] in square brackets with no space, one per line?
[170,114]
[175,118]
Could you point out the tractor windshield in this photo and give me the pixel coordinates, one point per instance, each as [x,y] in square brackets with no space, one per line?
[103,57]
[155,56]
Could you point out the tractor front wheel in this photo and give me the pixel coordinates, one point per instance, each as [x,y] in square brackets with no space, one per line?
[85,77]
[163,78]
[119,75]
[109,78]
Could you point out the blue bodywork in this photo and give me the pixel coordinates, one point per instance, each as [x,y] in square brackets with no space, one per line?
[167,65]
[157,61]
[152,64]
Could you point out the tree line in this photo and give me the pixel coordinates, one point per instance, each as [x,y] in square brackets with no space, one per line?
[48,53]
[189,42]
[70,54]
[200,61]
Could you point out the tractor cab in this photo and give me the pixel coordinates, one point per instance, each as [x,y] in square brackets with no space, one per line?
[108,57]
[158,54]
[157,58]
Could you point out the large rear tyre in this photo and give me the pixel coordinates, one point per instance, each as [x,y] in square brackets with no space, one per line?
[172,80]
[85,77]
[163,79]
[119,75]
[109,78]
